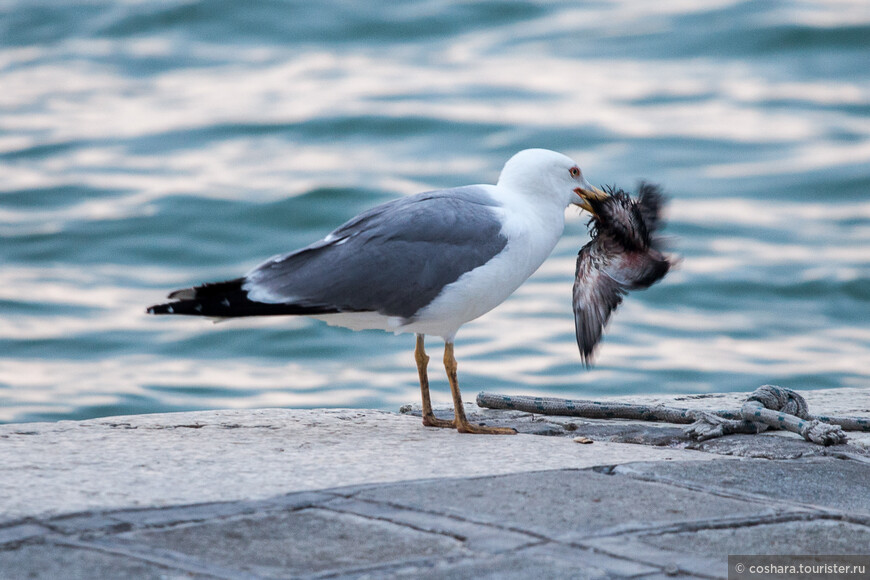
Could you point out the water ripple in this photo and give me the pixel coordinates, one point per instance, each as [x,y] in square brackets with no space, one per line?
[149,146]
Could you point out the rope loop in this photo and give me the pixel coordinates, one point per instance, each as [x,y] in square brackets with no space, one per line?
[781,399]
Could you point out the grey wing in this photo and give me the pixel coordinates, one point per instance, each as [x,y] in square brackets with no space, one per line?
[394,259]
[596,296]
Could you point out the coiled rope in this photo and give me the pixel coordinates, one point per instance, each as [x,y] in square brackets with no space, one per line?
[767,407]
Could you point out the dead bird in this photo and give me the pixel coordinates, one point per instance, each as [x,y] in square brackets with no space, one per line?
[624,254]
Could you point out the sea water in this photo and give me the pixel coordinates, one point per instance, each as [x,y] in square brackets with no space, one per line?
[148,146]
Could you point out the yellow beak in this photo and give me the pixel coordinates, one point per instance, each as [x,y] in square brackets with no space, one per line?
[586,193]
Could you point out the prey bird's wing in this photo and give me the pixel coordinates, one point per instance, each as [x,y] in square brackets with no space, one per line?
[651,203]
[596,296]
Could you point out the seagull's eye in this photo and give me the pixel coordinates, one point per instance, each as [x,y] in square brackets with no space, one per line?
[575,172]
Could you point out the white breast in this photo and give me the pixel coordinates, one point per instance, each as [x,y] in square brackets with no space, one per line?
[532,234]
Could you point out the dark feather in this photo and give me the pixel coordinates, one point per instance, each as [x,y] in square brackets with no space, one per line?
[227,300]
[594,300]
[623,255]
[651,203]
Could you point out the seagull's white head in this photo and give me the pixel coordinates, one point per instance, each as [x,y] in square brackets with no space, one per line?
[548,174]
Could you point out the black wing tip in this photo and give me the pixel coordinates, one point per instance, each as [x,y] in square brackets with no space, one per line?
[183,294]
[210,299]
[188,307]
[160,309]
[209,289]
[237,307]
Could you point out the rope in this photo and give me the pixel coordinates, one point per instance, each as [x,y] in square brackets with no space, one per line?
[767,407]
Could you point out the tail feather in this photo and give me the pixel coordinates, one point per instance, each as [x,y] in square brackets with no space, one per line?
[229,300]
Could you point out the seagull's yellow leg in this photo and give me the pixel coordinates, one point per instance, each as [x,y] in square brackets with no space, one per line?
[462,424]
[429,419]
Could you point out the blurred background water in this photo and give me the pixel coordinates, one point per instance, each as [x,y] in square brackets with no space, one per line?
[150,145]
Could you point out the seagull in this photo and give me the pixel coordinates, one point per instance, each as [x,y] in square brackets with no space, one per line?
[624,254]
[424,264]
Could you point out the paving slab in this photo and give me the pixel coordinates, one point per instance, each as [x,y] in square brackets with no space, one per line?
[69,563]
[566,564]
[832,483]
[565,505]
[20,532]
[704,552]
[489,539]
[305,541]
[797,537]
